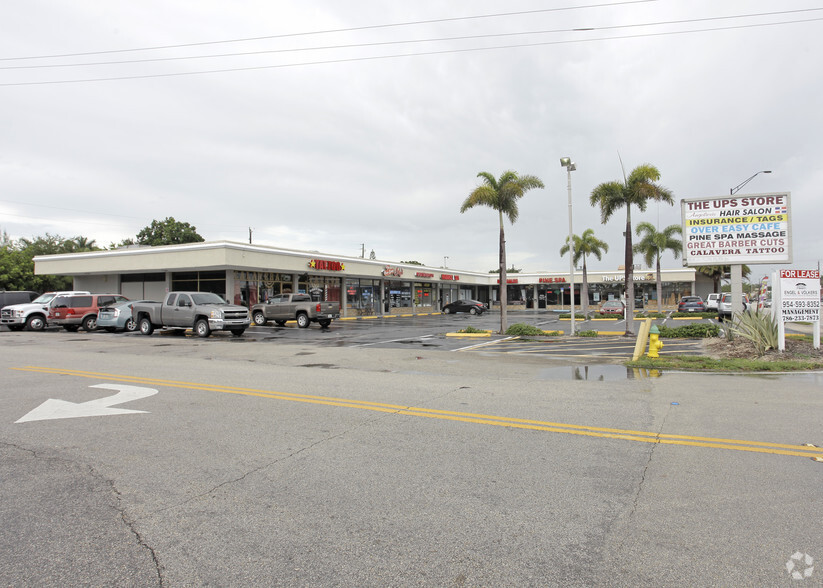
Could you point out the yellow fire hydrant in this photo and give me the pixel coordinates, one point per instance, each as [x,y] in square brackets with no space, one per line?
[655,344]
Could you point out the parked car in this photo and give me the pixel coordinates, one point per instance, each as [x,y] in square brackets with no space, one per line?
[33,315]
[691,304]
[203,312]
[712,300]
[470,306]
[117,317]
[724,307]
[73,312]
[612,307]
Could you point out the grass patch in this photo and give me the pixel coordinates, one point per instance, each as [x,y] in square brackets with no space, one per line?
[707,364]
[471,329]
[587,333]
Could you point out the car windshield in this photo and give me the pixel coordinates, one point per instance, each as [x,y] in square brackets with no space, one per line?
[207,298]
[42,299]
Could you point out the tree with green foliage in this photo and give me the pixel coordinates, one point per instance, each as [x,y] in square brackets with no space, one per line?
[585,245]
[501,195]
[636,190]
[17,261]
[655,243]
[168,232]
[718,272]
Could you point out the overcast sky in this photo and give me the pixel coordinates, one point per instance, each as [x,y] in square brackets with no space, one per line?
[364,137]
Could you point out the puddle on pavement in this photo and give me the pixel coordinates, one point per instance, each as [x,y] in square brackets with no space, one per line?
[599,372]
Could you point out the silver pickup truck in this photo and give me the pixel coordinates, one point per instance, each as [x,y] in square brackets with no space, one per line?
[203,312]
[295,307]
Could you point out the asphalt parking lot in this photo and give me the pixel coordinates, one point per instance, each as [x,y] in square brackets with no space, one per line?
[439,331]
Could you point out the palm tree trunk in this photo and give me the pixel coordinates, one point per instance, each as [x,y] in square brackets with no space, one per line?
[503,289]
[629,273]
[584,291]
[659,287]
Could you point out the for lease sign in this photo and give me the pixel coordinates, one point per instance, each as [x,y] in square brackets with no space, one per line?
[800,295]
[754,228]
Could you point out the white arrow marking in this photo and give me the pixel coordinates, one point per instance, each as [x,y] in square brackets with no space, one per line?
[62,409]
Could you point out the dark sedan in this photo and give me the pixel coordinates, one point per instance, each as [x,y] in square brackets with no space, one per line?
[691,304]
[471,306]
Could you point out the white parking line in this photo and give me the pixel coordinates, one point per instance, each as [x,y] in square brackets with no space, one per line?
[395,341]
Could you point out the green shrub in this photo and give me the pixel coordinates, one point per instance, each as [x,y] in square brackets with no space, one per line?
[522,329]
[471,329]
[696,331]
[758,327]
[587,333]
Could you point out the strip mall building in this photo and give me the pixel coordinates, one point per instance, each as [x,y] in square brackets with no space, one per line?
[248,274]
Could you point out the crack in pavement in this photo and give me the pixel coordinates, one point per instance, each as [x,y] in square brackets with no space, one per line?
[648,463]
[121,510]
[295,453]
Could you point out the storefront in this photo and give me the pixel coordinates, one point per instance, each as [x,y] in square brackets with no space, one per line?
[247,274]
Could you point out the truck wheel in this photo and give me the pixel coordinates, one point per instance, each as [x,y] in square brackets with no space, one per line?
[131,325]
[259,318]
[303,320]
[90,323]
[238,332]
[279,323]
[324,324]
[36,322]
[146,328]
[201,328]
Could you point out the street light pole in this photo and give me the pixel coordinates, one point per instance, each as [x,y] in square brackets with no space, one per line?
[733,191]
[736,270]
[570,167]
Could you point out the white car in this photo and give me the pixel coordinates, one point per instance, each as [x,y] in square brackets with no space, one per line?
[712,301]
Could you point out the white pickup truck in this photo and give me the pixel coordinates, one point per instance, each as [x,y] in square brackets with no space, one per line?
[33,315]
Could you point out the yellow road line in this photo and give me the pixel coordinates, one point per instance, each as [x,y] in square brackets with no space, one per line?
[569,429]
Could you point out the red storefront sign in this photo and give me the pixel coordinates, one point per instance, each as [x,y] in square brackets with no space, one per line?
[326,265]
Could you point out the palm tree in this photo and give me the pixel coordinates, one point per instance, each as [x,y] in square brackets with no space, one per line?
[585,245]
[718,272]
[653,244]
[636,190]
[501,195]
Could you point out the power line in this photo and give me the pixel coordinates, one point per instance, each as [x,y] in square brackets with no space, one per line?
[399,55]
[328,31]
[411,41]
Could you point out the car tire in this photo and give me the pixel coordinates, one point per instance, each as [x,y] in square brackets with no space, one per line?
[259,318]
[448,311]
[131,325]
[201,328]
[36,322]
[146,328]
[90,323]
[473,311]
[303,320]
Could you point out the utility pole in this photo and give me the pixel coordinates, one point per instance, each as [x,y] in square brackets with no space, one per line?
[249,235]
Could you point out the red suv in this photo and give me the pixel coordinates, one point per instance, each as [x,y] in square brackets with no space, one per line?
[80,310]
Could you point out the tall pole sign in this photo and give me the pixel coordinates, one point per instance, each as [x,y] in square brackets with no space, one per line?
[753,228]
[737,230]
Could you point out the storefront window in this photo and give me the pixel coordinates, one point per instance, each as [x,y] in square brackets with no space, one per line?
[213,281]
